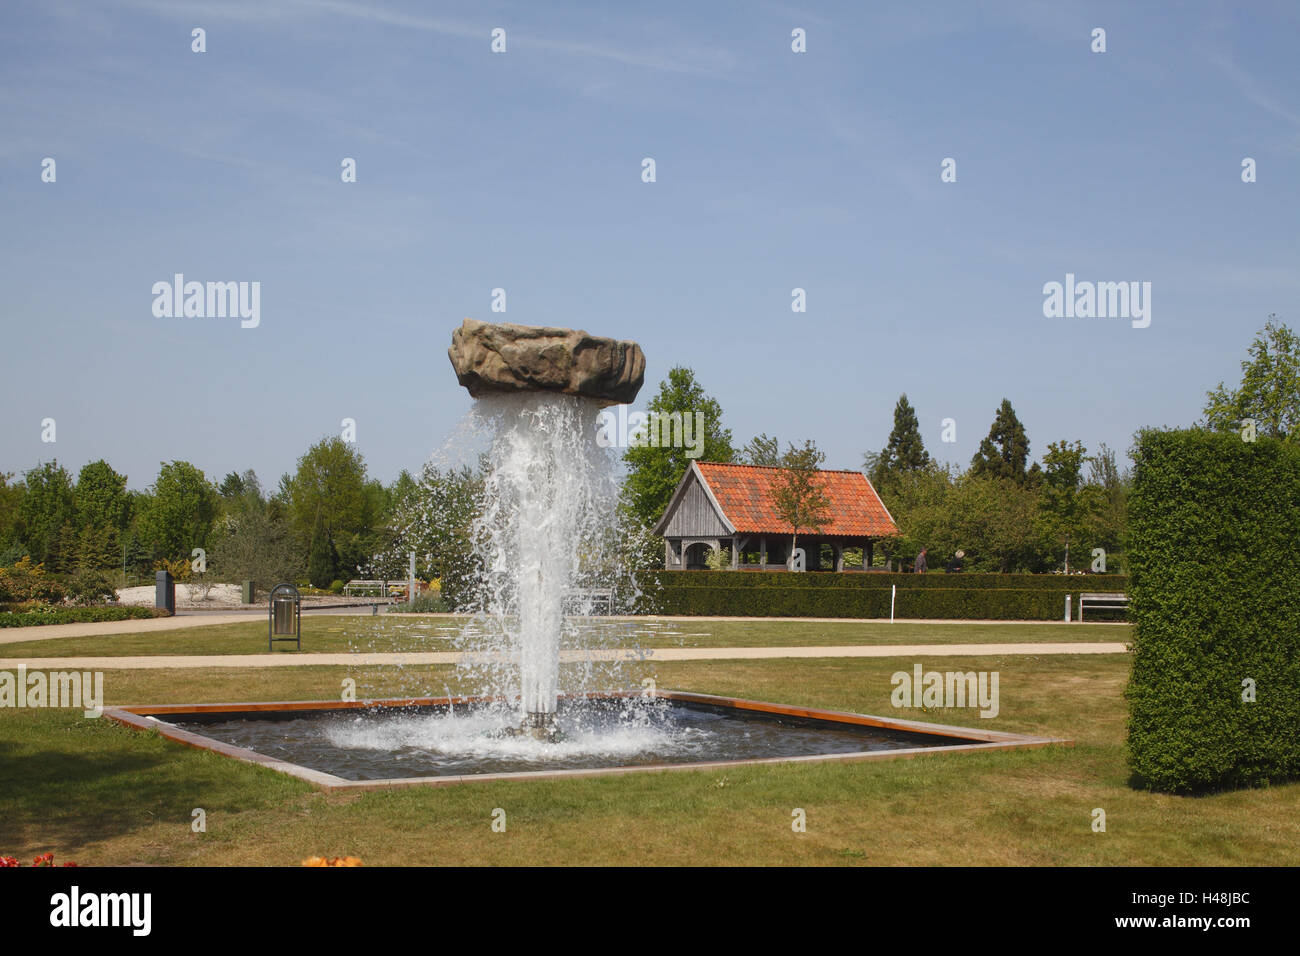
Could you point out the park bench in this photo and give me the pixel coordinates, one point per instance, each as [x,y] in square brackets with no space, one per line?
[601,600]
[385,588]
[1102,600]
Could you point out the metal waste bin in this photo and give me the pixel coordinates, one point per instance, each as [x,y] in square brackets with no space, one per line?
[285,616]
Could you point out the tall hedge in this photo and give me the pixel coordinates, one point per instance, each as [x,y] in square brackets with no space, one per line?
[1020,597]
[1215,561]
[875,580]
[954,603]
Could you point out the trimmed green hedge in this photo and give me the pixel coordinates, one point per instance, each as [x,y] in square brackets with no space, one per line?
[880,579]
[1020,604]
[1215,525]
[76,615]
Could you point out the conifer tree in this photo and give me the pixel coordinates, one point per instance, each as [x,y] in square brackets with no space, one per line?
[905,451]
[1005,452]
[320,556]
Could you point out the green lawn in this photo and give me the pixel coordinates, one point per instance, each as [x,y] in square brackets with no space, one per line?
[95,792]
[335,633]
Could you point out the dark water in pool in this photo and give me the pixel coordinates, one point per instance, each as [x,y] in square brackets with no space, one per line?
[380,744]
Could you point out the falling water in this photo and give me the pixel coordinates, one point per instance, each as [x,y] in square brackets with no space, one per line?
[547,534]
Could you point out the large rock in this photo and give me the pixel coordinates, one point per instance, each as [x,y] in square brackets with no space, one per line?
[503,357]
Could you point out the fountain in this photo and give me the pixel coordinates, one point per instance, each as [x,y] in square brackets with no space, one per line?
[549,495]
[546,539]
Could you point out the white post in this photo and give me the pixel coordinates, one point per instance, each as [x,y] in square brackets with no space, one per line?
[410,584]
[893,591]
[1067,609]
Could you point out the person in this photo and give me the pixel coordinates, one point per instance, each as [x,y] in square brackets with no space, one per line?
[954,564]
[920,562]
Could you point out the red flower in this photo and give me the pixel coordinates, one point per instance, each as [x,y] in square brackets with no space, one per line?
[45,859]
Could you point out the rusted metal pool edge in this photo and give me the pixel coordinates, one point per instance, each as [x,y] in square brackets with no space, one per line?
[143,717]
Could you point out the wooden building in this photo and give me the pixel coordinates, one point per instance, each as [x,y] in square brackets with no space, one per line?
[731,506]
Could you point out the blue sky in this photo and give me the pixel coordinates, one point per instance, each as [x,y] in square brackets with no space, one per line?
[522,170]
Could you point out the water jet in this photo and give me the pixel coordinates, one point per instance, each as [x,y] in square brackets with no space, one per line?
[549,494]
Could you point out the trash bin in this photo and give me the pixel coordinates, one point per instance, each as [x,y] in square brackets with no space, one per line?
[285,616]
[246,592]
[285,605]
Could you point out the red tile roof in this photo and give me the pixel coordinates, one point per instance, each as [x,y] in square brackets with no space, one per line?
[744,492]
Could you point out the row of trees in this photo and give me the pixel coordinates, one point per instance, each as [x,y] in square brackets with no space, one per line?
[326,520]
[330,521]
[1005,511]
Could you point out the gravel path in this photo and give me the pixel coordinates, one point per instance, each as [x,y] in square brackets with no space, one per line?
[291,659]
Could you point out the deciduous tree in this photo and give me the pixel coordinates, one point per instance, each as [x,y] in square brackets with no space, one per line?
[1269,393]
[654,472]
[798,494]
[761,450]
[179,512]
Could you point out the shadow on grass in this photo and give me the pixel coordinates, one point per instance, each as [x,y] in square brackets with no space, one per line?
[67,783]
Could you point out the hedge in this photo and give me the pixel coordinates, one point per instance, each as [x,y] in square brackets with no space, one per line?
[1215,525]
[1019,604]
[880,579]
[75,615]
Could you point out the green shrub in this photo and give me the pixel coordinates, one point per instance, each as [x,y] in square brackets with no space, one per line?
[1214,524]
[50,614]
[336,586]
[91,587]
[423,604]
[24,581]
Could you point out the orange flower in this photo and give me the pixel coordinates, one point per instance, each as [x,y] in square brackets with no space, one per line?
[332,861]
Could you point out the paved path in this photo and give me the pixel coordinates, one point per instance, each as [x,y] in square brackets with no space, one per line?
[150,625]
[452,657]
[18,635]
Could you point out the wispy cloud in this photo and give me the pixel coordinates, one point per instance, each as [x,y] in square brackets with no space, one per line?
[1253,90]
[693,62]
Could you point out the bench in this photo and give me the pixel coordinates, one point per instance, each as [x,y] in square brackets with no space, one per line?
[387,588]
[600,600]
[1103,601]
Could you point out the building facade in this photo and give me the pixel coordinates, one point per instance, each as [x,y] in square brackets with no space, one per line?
[731,508]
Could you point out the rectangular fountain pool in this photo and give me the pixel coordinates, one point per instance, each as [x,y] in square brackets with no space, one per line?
[438,741]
